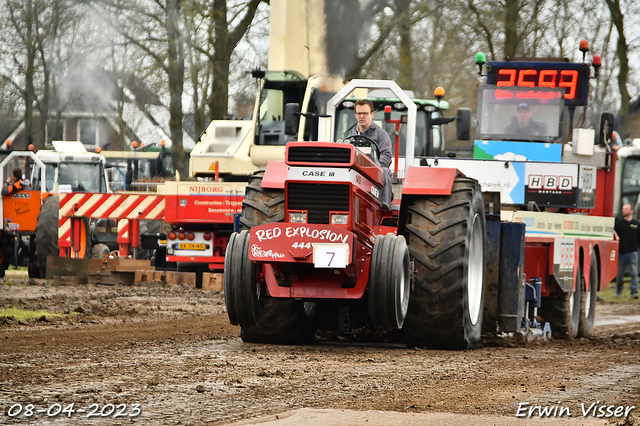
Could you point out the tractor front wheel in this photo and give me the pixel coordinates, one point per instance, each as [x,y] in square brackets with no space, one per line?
[446,236]
[389,282]
[262,319]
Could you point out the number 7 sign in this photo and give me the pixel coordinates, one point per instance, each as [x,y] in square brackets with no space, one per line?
[330,255]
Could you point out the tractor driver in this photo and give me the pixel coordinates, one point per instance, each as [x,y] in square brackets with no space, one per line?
[364,115]
[15,183]
[522,124]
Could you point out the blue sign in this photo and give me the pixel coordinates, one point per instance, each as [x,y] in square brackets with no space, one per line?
[517,151]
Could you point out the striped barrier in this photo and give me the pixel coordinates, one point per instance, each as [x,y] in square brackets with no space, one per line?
[126,209]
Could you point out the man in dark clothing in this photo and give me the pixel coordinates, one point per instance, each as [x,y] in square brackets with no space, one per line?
[366,126]
[522,124]
[628,230]
[15,183]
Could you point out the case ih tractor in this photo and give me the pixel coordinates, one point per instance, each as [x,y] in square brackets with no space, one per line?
[321,251]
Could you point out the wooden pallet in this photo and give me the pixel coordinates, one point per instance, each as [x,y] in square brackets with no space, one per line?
[69,271]
[167,277]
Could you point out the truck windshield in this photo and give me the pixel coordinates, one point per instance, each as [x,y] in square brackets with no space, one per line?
[346,121]
[630,182]
[519,114]
[279,89]
[79,177]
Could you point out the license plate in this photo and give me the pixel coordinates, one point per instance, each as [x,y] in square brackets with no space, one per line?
[190,246]
[330,255]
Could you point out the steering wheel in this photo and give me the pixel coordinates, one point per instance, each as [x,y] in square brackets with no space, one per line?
[364,141]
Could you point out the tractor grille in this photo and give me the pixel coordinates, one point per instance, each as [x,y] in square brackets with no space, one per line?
[318,200]
[316,154]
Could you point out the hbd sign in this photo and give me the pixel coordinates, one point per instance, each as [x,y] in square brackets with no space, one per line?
[551,190]
[550,183]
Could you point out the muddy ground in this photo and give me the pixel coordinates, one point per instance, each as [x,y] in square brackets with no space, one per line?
[172,351]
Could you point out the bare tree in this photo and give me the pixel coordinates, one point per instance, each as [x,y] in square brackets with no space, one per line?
[33,40]
[508,28]
[622,51]
[224,24]
[154,28]
[175,71]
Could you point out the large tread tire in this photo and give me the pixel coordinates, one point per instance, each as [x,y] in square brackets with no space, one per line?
[261,205]
[589,300]
[262,319]
[446,236]
[562,311]
[47,233]
[389,282]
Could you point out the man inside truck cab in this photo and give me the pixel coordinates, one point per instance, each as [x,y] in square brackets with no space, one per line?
[364,116]
[15,183]
[523,124]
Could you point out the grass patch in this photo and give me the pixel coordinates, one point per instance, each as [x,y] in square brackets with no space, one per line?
[21,314]
[625,297]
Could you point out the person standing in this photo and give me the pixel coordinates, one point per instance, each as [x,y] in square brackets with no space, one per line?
[364,115]
[628,230]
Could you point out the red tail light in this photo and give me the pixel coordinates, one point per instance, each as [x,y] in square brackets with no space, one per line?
[190,236]
[172,235]
[207,236]
[181,235]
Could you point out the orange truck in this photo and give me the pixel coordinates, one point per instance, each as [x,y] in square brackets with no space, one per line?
[29,231]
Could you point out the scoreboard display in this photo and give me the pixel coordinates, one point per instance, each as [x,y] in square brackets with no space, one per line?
[573,77]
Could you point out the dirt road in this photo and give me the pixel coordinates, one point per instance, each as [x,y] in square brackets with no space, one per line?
[172,351]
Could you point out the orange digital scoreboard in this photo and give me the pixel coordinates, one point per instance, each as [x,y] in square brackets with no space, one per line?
[573,77]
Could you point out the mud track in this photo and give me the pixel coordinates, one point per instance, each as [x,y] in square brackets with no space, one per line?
[173,351]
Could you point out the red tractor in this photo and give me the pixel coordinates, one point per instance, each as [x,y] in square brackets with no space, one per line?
[319,251]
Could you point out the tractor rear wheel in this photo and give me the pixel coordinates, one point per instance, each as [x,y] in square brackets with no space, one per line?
[389,282]
[262,319]
[446,237]
[588,300]
[562,311]
[47,233]
[261,205]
